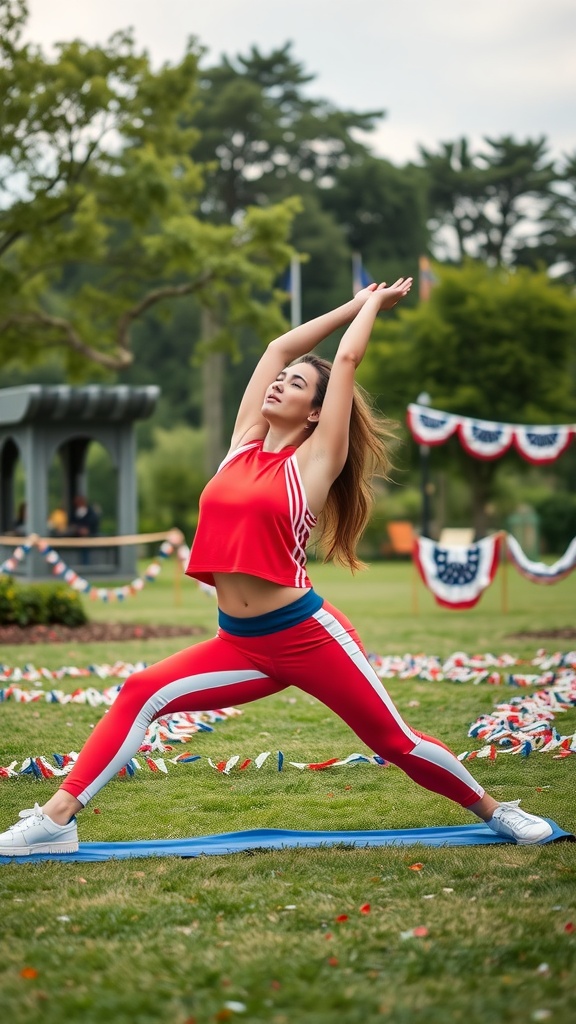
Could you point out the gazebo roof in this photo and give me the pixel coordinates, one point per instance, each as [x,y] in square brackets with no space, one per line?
[89,404]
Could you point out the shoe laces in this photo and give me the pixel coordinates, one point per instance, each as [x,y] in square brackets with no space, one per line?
[32,816]
[510,805]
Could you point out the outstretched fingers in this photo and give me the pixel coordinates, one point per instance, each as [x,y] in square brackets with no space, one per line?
[392,294]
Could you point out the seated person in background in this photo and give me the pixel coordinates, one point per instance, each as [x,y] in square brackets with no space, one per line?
[84,519]
[57,523]
[19,528]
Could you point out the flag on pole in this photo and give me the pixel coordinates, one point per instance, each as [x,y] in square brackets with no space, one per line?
[360,276]
[291,283]
[426,279]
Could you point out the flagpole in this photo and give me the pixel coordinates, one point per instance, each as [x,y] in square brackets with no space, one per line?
[504,571]
[356,272]
[296,293]
[415,578]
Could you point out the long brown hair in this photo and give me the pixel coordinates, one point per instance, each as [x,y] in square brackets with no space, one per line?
[351,497]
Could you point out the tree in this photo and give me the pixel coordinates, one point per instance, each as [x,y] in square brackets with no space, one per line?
[556,245]
[99,201]
[267,139]
[490,344]
[488,205]
[382,209]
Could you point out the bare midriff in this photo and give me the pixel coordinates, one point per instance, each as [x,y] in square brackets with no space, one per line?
[242,595]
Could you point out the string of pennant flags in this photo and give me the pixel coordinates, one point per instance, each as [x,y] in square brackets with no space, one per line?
[520,726]
[77,582]
[488,439]
[458,667]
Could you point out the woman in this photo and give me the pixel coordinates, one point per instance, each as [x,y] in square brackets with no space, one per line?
[304,448]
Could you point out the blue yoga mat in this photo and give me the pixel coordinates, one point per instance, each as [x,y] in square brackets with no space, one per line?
[283,839]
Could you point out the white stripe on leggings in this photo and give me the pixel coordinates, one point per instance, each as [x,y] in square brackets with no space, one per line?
[350,647]
[433,753]
[153,706]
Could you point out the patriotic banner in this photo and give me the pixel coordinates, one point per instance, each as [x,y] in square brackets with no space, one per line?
[457,576]
[539,572]
[484,439]
[428,426]
[488,439]
[540,445]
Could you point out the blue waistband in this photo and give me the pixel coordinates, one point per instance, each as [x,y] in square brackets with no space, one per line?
[272,622]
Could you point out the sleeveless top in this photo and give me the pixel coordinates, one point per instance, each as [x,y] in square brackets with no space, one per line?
[254,519]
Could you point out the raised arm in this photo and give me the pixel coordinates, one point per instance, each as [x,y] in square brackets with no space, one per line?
[321,458]
[250,424]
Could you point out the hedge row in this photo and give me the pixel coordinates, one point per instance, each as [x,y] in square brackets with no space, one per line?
[39,604]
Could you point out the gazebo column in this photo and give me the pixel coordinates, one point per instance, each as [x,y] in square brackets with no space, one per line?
[126,507]
[34,460]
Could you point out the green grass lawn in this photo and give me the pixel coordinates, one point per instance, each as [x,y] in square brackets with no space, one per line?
[257,937]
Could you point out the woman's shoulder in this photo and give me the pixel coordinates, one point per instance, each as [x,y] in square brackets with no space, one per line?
[239,451]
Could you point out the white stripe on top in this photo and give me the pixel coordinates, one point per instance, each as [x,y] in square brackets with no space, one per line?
[301,517]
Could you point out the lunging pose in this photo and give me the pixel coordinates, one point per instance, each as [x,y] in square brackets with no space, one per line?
[304,449]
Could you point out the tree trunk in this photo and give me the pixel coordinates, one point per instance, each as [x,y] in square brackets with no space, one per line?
[480,475]
[212,398]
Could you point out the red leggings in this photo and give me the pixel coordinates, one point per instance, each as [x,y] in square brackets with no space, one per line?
[322,656]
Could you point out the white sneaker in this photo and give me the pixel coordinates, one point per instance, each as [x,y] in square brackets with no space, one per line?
[37,833]
[512,823]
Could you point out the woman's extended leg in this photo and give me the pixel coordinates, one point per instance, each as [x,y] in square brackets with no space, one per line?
[209,675]
[326,659]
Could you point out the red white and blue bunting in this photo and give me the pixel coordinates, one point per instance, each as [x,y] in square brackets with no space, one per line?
[487,439]
[457,576]
[63,571]
[522,725]
[458,667]
[539,572]
[525,724]
[42,767]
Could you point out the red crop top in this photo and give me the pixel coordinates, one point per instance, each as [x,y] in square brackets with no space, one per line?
[254,519]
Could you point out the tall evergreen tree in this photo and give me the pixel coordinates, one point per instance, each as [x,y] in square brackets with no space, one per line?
[488,204]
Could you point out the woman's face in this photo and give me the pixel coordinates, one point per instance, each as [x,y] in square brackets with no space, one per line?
[291,396]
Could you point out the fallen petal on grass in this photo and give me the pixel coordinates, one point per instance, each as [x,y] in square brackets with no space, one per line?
[28,972]
[415,933]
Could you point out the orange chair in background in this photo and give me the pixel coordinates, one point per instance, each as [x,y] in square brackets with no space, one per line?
[401,538]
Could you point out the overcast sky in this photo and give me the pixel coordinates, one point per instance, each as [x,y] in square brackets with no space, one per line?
[440,69]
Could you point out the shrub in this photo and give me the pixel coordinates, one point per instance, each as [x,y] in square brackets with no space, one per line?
[34,604]
[557,521]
